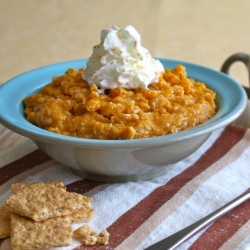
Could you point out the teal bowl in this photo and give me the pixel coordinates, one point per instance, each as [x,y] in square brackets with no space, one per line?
[119,160]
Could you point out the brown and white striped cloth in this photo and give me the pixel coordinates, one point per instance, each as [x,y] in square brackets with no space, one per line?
[138,214]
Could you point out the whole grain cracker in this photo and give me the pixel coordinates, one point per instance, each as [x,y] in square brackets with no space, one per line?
[29,234]
[89,237]
[4,222]
[41,202]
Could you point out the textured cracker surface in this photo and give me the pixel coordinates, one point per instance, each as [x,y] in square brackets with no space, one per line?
[89,237]
[29,234]
[83,213]
[17,187]
[4,222]
[41,202]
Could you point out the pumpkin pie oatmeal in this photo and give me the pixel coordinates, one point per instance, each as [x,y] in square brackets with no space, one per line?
[123,93]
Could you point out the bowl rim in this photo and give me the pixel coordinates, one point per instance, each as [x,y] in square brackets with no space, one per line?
[232,101]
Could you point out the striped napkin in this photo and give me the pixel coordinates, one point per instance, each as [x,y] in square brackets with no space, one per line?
[138,214]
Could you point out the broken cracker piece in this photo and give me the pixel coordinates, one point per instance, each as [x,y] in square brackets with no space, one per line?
[89,237]
[29,234]
[84,231]
[4,222]
[40,202]
[103,237]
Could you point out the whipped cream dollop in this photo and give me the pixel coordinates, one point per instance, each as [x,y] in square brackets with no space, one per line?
[120,60]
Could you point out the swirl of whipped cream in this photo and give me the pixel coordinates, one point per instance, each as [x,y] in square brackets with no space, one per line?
[120,60]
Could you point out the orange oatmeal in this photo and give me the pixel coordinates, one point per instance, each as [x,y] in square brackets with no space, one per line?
[69,106]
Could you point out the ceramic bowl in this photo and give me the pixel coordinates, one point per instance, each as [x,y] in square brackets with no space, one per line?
[119,160]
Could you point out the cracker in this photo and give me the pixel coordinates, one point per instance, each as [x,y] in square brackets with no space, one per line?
[29,234]
[89,237]
[17,187]
[84,231]
[103,237]
[41,202]
[4,222]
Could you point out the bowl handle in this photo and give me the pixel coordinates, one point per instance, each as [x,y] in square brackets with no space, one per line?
[242,57]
